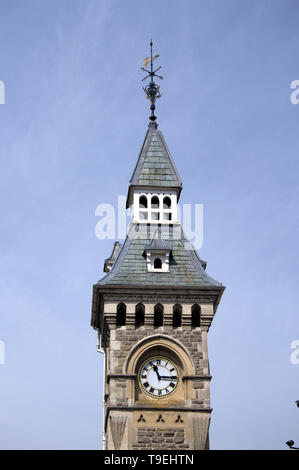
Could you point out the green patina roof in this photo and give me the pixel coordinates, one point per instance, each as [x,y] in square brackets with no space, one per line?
[185,267]
[155,166]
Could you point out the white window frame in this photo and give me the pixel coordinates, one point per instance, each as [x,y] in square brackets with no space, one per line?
[150,259]
[149,210]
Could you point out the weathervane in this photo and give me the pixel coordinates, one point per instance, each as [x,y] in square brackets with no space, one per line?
[151,90]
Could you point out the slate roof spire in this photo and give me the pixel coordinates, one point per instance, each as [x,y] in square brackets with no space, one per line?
[155,167]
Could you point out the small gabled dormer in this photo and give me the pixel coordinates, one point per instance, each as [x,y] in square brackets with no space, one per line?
[157,255]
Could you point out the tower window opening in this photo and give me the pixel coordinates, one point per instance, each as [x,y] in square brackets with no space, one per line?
[177,316]
[143,215]
[121,315]
[195,316]
[157,263]
[166,203]
[155,202]
[139,315]
[143,202]
[155,216]
[158,316]
[167,216]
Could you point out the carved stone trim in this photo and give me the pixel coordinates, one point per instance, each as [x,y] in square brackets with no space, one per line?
[200,431]
[197,377]
[173,299]
[161,408]
[117,426]
[142,408]
[121,376]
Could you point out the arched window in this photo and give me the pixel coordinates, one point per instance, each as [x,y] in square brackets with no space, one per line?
[139,315]
[158,263]
[155,202]
[143,202]
[166,203]
[195,316]
[158,315]
[121,315]
[177,316]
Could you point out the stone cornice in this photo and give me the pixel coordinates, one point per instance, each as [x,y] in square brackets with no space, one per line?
[121,376]
[170,298]
[197,377]
[170,294]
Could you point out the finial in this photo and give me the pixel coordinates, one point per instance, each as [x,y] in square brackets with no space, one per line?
[151,90]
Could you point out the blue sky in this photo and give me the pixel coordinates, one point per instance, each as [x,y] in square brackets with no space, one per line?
[70,131]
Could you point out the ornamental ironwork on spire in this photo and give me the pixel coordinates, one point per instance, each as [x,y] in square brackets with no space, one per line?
[151,90]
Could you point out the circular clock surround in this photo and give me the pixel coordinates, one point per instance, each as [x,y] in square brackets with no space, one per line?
[158,377]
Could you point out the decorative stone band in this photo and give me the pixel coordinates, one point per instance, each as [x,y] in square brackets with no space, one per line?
[162,408]
[173,298]
[168,408]
[197,377]
[121,376]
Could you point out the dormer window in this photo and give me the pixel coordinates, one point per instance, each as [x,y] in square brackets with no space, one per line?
[157,254]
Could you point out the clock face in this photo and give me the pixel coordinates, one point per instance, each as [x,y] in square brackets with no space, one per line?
[158,377]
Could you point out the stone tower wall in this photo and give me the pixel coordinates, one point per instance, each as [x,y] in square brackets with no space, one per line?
[182,425]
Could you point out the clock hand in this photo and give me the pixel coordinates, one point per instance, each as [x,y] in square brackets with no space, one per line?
[164,377]
[157,372]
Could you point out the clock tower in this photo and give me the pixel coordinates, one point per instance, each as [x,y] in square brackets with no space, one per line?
[153,310]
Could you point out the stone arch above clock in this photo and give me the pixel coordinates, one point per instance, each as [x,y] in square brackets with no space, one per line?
[160,346]
[163,343]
